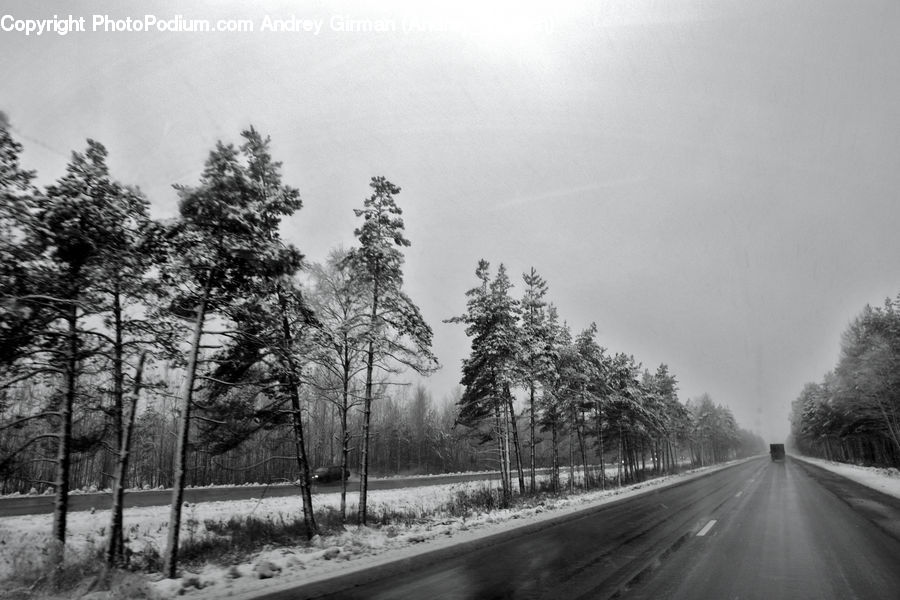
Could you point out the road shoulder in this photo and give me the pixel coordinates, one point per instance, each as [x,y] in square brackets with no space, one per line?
[883,509]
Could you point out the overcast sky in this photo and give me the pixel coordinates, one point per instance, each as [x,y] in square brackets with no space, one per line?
[713,182]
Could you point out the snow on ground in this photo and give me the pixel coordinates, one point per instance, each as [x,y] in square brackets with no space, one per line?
[351,550]
[885,480]
[47,490]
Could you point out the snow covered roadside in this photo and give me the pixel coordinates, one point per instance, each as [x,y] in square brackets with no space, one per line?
[330,556]
[885,480]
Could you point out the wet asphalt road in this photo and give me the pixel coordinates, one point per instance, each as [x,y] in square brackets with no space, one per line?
[760,529]
[793,531]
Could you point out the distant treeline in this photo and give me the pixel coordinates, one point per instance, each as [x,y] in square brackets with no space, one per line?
[605,404]
[853,414]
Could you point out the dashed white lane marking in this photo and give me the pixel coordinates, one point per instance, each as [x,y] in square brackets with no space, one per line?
[738,495]
[706,528]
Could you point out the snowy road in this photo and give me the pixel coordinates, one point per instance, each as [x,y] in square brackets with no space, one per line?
[793,531]
[755,530]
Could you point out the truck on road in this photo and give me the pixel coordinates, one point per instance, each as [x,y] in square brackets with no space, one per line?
[777,451]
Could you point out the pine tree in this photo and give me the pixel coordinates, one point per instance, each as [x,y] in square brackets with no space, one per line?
[65,237]
[124,288]
[17,214]
[222,250]
[22,318]
[490,370]
[623,409]
[567,394]
[536,353]
[396,329]
[293,314]
[77,217]
[115,549]
[588,386]
[663,387]
[552,409]
[120,289]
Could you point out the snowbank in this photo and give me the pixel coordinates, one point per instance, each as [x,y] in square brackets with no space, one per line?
[885,480]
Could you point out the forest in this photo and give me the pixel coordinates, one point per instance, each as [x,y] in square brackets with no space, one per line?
[140,353]
[853,413]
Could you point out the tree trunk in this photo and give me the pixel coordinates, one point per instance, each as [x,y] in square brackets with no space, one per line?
[532,478]
[288,365]
[115,531]
[600,438]
[619,457]
[364,457]
[671,467]
[571,463]
[332,416]
[586,479]
[345,438]
[64,441]
[116,546]
[399,449]
[506,456]
[504,472]
[554,472]
[184,423]
[515,432]
[643,447]
[309,520]
[367,408]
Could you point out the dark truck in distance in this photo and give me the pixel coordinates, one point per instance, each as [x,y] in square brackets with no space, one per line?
[327,474]
[777,451]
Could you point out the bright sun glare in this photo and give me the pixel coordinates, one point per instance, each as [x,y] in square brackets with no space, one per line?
[504,29]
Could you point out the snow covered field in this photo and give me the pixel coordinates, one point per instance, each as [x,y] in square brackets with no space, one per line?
[884,480]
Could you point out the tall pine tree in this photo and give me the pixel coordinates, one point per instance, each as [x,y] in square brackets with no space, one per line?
[64,239]
[222,250]
[536,352]
[397,332]
[490,370]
